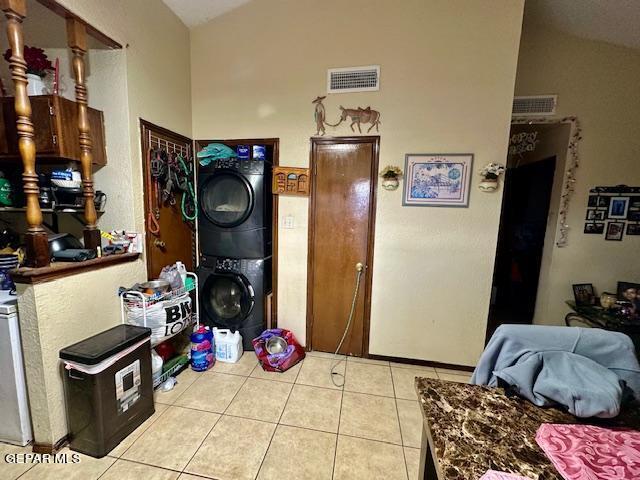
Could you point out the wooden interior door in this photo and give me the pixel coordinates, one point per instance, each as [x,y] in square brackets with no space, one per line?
[176,238]
[341,222]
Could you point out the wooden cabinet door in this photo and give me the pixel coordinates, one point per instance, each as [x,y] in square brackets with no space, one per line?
[42,116]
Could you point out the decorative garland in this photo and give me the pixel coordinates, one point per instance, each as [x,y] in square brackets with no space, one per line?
[572,164]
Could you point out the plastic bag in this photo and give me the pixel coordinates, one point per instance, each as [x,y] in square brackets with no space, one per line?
[278,362]
[164,318]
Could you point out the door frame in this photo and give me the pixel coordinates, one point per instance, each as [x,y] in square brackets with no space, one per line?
[316,141]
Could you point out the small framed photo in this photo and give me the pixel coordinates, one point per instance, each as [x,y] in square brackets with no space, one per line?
[603,201]
[615,231]
[595,215]
[437,180]
[594,228]
[629,292]
[593,201]
[633,228]
[634,202]
[618,207]
[584,294]
[634,215]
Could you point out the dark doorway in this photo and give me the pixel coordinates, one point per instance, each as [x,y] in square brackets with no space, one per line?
[523,226]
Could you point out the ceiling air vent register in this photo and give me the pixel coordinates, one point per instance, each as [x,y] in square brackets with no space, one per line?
[534,106]
[353,79]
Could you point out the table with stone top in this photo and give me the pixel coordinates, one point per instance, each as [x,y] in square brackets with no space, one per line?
[469,429]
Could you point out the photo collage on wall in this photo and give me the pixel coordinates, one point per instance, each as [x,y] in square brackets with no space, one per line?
[614,211]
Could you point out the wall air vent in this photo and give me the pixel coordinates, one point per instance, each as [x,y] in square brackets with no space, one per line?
[353,79]
[535,105]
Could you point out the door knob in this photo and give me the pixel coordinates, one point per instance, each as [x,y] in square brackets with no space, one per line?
[159,243]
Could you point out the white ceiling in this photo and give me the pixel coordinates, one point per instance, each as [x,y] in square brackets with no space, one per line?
[196,12]
[612,21]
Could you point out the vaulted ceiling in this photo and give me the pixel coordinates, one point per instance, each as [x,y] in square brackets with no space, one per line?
[613,21]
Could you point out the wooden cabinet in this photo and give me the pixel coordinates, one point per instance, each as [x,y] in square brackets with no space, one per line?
[55,120]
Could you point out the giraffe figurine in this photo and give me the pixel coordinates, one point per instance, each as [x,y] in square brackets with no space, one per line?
[319,115]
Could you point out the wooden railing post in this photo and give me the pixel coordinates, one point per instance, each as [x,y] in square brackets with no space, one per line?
[37,254]
[77,40]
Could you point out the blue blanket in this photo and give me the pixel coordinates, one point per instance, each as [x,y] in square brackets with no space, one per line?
[587,370]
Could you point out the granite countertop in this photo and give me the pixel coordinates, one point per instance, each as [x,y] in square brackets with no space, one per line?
[476,428]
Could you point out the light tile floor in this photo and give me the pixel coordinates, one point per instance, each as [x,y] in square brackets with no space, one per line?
[237,422]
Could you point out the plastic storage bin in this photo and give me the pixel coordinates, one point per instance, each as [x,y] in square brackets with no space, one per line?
[108,387]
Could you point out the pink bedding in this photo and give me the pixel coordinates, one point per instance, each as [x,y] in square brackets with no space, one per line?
[586,452]
[493,475]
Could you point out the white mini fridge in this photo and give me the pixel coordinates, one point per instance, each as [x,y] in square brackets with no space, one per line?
[15,421]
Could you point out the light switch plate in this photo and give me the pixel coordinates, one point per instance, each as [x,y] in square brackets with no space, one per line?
[289,221]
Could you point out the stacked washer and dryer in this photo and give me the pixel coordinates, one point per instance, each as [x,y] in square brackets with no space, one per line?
[235,236]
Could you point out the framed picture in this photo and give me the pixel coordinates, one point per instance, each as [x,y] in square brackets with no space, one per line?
[584,294]
[437,180]
[634,215]
[629,292]
[618,207]
[594,228]
[598,201]
[595,214]
[634,202]
[615,230]
[633,228]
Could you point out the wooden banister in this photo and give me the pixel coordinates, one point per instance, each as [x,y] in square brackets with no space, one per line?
[77,41]
[37,247]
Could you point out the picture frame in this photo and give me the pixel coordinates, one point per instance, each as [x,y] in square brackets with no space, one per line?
[625,296]
[634,202]
[633,228]
[634,215]
[584,294]
[595,215]
[619,207]
[594,228]
[437,180]
[598,201]
[615,231]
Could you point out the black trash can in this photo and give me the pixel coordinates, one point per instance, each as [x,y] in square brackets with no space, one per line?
[108,387]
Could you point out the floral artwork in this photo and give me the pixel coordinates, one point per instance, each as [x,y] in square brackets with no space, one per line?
[437,180]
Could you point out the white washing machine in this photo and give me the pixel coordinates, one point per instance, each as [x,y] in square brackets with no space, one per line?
[15,421]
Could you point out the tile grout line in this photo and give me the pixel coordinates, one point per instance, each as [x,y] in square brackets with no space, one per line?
[335,453]
[278,422]
[216,422]
[141,433]
[395,399]
[138,462]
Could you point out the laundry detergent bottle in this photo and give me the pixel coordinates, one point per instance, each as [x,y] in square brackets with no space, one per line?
[228,345]
[202,346]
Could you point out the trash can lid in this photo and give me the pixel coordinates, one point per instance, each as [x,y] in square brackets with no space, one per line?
[95,349]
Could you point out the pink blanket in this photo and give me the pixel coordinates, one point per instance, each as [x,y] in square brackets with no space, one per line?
[493,475]
[585,452]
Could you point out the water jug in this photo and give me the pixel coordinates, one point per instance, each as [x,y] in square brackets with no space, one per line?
[202,345]
[228,345]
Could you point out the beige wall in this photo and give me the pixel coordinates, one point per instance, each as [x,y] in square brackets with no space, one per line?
[447,76]
[597,82]
[149,79]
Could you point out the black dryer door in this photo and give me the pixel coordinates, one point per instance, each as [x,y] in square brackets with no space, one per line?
[226,199]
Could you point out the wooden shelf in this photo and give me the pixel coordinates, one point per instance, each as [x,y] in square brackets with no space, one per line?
[64,269]
[47,210]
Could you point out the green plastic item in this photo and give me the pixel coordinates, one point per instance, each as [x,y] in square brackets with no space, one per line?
[5,191]
[189,284]
[215,151]
[179,360]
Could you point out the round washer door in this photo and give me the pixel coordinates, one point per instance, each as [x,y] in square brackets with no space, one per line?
[226,199]
[227,299]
